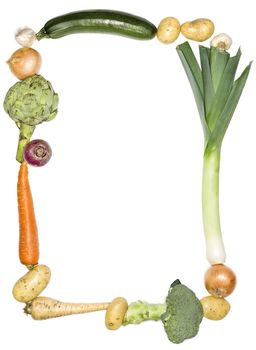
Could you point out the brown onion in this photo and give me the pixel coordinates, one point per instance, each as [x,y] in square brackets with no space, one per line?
[220,280]
[25,62]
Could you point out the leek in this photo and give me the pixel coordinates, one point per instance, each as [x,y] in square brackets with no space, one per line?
[216,93]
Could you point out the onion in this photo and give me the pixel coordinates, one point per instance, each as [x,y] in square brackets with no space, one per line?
[25,62]
[220,280]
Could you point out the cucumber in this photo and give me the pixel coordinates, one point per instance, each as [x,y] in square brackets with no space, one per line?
[98,21]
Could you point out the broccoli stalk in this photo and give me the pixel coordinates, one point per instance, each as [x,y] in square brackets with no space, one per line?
[29,103]
[181,314]
[140,311]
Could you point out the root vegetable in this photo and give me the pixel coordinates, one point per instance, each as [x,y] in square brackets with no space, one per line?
[43,308]
[25,62]
[200,29]
[37,153]
[28,240]
[215,308]
[29,286]
[168,30]
[220,280]
[115,313]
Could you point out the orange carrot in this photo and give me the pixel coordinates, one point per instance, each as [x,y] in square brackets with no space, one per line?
[28,240]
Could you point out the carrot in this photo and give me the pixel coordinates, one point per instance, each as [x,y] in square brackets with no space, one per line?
[42,308]
[28,239]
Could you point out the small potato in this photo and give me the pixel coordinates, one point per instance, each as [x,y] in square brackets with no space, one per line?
[32,283]
[200,29]
[168,30]
[215,308]
[115,313]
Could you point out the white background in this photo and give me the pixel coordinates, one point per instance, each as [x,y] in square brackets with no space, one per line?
[119,205]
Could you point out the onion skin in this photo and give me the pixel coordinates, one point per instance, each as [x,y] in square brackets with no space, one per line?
[220,280]
[25,62]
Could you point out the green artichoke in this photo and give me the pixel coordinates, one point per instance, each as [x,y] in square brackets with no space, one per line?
[29,103]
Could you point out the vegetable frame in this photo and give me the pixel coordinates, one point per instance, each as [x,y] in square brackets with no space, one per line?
[216,94]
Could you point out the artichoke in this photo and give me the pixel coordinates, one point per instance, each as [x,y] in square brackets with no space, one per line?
[29,103]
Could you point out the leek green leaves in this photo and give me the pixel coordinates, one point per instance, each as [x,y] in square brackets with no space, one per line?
[214,86]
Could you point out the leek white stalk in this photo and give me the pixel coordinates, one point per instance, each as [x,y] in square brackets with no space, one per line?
[215,250]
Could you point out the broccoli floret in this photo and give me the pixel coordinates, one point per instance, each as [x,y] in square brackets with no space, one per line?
[183,314]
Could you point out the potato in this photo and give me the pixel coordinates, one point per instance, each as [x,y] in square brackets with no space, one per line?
[115,313]
[215,308]
[200,29]
[29,286]
[168,30]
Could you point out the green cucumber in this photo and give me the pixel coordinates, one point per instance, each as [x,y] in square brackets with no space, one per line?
[98,21]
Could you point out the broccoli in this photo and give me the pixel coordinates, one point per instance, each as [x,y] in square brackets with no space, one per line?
[181,314]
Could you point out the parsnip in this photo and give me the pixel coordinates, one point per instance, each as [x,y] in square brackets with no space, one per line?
[43,308]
